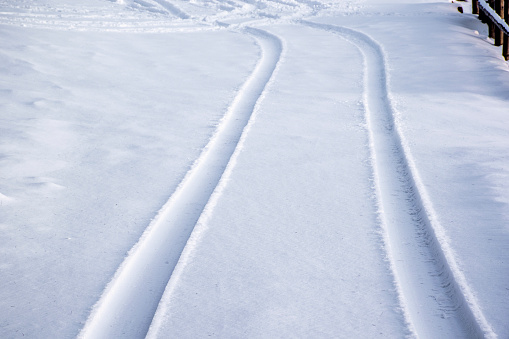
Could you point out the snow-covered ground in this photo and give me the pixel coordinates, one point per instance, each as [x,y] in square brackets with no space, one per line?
[252,168]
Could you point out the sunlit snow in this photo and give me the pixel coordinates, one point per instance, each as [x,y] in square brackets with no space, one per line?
[252,169]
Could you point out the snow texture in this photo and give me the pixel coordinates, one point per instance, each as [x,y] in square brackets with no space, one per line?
[255,169]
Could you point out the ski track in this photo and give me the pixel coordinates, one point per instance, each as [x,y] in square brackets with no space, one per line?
[435,297]
[128,304]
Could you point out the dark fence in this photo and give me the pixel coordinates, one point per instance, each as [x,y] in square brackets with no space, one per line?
[495,13]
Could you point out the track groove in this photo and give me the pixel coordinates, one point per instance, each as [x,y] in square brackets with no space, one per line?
[128,304]
[434,294]
[172,9]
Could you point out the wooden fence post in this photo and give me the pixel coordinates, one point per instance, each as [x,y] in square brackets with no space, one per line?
[499,6]
[505,49]
[481,16]
[491,25]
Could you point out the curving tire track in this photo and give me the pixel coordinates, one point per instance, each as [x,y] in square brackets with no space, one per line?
[434,294]
[128,304]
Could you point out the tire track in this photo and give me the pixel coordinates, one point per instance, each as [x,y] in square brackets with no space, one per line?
[128,304]
[173,9]
[202,224]
[166,7]
[434,294]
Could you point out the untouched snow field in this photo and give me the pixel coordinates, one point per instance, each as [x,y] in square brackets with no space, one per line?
[252,169]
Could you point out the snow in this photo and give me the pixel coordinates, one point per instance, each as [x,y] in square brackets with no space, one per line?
[91,150]
[285,256]
[252,169]
[148,266]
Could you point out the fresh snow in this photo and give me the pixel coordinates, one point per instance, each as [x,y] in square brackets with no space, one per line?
[227,168]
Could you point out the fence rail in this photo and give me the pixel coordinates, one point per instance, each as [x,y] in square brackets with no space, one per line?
[495,13]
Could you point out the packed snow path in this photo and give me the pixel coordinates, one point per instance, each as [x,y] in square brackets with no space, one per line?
[307,206]
[424,278]
[300,246]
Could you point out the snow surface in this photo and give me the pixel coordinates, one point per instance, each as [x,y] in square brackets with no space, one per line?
[262,168]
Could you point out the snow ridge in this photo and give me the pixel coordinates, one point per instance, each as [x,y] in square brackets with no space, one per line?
[142,277]
[434,293]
